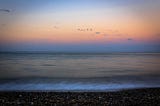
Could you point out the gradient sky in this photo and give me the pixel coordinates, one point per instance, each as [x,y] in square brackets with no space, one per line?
[80,25]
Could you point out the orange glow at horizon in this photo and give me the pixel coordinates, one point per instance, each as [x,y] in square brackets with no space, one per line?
[108,24]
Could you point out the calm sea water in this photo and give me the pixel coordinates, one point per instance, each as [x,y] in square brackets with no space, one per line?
[78,72]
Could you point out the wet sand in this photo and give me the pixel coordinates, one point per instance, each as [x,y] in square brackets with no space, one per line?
[132,97]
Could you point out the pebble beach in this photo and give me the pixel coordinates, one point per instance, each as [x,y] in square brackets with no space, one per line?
[131,97]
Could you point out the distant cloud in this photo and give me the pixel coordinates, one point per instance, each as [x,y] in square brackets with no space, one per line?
[97,33]
[129,39]
[5,10]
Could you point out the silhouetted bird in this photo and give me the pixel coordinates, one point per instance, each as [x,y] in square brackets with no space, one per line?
[5,10]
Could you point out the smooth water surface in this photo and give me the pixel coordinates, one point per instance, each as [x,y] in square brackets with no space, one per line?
[78,71]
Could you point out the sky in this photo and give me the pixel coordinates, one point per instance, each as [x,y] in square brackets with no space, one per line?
[80,25]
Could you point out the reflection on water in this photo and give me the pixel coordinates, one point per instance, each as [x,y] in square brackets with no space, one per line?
[86,70]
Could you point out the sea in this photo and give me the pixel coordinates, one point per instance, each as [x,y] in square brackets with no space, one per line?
[65,72]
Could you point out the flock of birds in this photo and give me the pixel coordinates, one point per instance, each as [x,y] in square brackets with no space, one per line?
[87,29]
[56,27]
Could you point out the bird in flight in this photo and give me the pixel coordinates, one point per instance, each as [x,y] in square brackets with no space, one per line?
[5,10]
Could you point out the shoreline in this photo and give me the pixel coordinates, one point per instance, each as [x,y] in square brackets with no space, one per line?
[138,96]
[79,91]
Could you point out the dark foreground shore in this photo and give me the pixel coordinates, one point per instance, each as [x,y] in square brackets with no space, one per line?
[134,97]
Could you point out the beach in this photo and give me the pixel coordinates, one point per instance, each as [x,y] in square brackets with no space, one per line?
[50,79]
[130,97]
